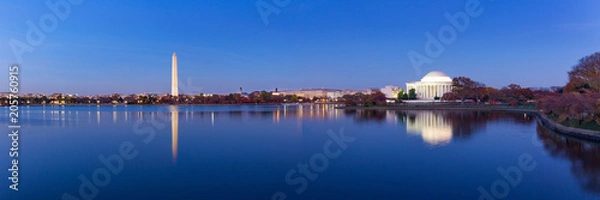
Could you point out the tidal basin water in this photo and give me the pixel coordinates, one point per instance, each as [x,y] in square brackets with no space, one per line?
[294,152]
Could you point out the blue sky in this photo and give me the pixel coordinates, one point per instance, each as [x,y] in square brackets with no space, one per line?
[125,46]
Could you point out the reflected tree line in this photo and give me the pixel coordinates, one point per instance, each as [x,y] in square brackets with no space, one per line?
[584,156]
[464,123]
[366,115]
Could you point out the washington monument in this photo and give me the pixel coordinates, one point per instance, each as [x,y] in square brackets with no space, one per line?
[174,78]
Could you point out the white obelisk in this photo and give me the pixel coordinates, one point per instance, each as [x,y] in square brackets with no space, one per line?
[174,78]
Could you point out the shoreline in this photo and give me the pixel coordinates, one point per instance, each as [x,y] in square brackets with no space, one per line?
[245,104]
[584,134]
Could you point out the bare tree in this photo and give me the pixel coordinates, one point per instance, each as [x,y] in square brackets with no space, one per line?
[585,75]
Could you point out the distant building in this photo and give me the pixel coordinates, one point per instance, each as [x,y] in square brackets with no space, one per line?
[371,90]
[242,93]
[434,84]
[307,93]
[391,91]
[319,93]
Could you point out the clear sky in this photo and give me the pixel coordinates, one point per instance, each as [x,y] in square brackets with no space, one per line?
[126,46]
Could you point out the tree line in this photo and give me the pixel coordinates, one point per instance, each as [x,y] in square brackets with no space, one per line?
[576,103]
[262,97]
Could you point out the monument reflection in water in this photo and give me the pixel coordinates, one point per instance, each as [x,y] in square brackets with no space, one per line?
[433,127]
[221,144]
[174,131]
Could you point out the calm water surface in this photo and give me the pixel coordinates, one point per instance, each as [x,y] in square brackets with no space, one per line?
[307,152]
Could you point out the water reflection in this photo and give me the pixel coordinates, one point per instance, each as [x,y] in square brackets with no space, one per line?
[69,116]
[466,123]
[584,156]
[441,126]
[362,116]
[434,128]
[174,131]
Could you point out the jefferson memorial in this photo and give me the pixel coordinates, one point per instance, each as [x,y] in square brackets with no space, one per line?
[434,84]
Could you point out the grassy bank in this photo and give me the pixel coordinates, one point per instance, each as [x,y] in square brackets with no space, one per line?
[575,123]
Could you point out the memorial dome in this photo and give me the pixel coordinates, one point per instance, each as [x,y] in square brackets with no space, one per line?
[436,76]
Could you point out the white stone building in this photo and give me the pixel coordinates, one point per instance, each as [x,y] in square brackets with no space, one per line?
[391,91]
[434,84]
[331,94]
